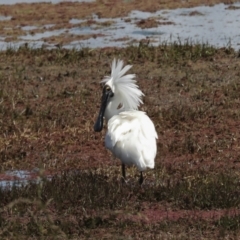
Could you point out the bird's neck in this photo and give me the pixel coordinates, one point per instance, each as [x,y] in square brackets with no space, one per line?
[114,107]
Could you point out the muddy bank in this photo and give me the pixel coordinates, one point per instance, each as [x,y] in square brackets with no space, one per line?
[117,23]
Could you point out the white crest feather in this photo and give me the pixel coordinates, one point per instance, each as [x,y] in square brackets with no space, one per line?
[124,86]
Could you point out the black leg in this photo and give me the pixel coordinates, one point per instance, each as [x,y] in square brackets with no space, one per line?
[123,172]
[141,178]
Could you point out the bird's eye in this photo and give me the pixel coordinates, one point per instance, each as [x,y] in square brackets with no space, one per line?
[108,90]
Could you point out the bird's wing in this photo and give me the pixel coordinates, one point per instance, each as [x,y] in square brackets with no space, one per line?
[119,127]
[147,138]
[132,134]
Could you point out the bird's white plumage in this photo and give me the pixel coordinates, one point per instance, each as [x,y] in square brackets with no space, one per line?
[126,92]
[131,137]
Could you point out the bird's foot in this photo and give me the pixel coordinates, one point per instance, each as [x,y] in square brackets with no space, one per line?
[124,181]
[141,178]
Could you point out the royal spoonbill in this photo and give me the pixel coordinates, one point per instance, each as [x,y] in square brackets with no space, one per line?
[131,135]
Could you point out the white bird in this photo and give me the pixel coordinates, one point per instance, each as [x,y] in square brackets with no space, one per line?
[131,135]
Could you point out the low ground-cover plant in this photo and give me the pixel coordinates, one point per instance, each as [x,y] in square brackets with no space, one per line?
[48,104]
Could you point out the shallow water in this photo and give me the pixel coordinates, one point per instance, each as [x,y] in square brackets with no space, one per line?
[19,178]
[218,25]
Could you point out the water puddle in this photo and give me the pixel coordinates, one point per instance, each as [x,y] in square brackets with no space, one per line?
[5,18]
[18,178]
[38,36]
[217,25]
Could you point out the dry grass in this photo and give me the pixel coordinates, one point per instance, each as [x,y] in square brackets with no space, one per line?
[49,101]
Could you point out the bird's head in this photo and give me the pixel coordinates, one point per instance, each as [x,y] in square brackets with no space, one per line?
[120,93]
